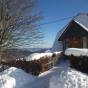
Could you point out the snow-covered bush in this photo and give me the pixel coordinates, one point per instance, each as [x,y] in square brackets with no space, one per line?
[78,58]
[36,56]
[76,52]
[35,63]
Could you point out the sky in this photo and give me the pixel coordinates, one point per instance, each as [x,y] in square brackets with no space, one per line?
[57,9]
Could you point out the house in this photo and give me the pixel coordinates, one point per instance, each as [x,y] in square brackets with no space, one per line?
[74,34]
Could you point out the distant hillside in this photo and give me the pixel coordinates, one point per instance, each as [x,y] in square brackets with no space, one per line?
[39,50]
[15,53]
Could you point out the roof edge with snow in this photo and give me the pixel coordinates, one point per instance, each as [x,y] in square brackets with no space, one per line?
[80,19]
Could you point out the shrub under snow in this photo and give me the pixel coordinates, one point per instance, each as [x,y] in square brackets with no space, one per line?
[76,52]
[36,56]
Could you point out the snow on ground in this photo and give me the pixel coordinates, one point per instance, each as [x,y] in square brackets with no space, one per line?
[61,76]
[14,78]
[76,51]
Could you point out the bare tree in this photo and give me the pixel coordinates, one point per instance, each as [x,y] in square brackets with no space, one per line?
[18,23]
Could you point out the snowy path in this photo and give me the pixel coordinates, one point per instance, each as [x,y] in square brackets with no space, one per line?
[61,76]
[46,79]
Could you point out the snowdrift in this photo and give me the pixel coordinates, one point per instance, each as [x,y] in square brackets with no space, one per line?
[14,78]
[61,76]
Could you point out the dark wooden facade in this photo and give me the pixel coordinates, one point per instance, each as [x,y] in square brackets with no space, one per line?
[73,37]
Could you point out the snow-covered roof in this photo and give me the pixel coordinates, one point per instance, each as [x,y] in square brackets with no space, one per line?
[81,19]
[57,46]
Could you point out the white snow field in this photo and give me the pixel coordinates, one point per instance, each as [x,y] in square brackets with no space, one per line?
[61,76]
[76,52]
